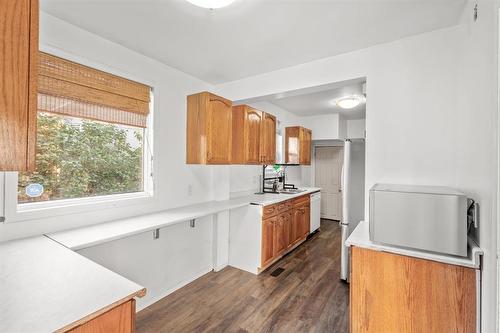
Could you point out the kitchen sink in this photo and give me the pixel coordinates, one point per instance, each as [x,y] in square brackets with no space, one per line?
[292,191]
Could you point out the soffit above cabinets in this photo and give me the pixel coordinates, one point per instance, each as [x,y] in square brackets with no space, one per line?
[251,37]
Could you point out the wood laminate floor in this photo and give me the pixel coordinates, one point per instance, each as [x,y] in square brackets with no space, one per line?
[307,296]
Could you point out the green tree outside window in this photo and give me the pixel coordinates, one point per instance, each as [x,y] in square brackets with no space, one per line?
[84,158]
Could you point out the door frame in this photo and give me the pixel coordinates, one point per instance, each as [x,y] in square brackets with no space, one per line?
[329,143]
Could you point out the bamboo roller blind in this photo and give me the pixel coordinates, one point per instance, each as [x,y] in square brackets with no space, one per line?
[71,89]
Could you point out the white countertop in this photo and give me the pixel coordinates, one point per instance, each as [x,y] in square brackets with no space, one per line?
[80,238]
[360,237]
[271,198]
[45,287]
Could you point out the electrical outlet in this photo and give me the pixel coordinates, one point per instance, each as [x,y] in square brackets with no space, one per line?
[190,190]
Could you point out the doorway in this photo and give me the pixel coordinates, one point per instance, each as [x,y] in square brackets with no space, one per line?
[328,176]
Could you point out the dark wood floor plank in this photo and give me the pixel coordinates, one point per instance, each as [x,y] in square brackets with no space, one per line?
[307,296]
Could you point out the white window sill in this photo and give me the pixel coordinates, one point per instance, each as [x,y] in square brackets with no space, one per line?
[37,210]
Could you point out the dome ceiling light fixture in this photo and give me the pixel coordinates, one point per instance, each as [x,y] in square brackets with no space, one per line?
[211,4]
[349,102]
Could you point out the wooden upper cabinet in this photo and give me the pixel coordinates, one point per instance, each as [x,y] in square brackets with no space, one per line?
[254,136]
[298,142]
[209,129]
[247,135]
[18,88]
[268,141]
[306,142]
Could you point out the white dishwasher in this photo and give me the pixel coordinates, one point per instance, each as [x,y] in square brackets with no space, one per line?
[315,211]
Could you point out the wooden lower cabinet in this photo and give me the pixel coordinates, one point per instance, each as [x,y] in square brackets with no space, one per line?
[120,319]
[395,293]
[268,235]
[301,220]
[284,226]
[297,218]
[280,234]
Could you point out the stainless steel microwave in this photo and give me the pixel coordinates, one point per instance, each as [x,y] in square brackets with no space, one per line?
[429,218]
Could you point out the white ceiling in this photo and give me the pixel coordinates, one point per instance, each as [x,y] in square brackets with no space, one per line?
[323,102]
[252,36]
[317,100]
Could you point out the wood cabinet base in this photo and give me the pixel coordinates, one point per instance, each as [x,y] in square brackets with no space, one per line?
[275,259]
[120,319]
[394,293]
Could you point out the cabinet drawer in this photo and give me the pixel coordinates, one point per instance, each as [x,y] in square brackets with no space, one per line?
[269,211]
[277,208]
[301,200]
[284,206]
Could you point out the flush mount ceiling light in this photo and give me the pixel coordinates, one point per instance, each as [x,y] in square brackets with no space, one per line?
[211,4]
[349,102]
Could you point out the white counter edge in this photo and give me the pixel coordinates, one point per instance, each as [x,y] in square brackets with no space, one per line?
[84,237]
[360,237]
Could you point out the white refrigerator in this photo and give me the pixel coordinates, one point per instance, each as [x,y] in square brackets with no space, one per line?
[353,196]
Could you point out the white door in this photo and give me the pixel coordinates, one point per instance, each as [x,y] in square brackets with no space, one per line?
[328,173]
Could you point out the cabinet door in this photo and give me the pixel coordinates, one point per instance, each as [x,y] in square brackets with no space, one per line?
[18,88]
[252,135]
[306,220]
[267,250]
[292,144]
[288,228]
[219,130]
[301,223]
[395,293]
[268,142]
[305,146]
[297,223]
[280,235]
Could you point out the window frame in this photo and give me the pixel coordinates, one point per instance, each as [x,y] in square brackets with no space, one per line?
[15,212]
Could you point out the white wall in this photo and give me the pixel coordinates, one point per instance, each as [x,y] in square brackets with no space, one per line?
[342,127]
[477,151]
[422,124]
[172,175]
[355,128]
[324,127]
[182,253]
[436,125]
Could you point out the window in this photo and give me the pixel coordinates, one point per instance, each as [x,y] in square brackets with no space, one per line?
[91,135]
